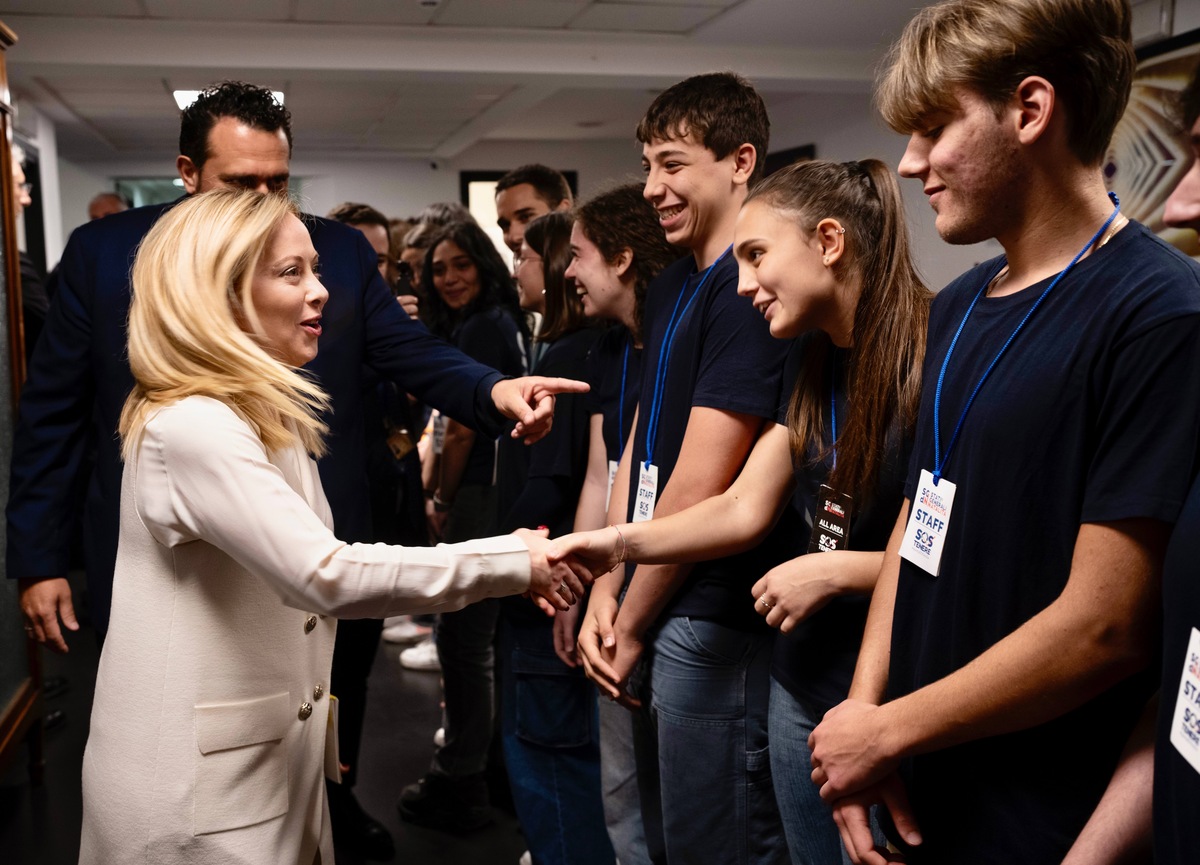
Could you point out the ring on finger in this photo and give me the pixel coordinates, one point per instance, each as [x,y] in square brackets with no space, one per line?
[766,604]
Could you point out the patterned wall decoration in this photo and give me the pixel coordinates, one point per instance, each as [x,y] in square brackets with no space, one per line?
[1149,152]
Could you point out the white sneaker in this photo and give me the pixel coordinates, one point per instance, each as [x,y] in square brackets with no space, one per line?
[402,629]
[422,656]
[439,737]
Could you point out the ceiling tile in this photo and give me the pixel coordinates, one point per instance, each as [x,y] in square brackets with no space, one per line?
[720,4]
[535,14]
[100,8]
[656,18]
[241,10]
[406,12]
[576,113]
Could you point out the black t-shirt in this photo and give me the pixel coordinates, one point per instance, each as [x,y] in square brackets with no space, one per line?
[815,661]
[614,370]
[539,484]
[1177,781]
[722,357]
[490,336]
[1092,415]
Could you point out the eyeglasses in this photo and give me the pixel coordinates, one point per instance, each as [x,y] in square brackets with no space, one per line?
[26,187]
[518,260]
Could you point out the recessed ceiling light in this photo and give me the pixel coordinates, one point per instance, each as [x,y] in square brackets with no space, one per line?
[184,98]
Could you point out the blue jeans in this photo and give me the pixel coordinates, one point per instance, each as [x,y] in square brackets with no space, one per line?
[703,761]
[812,836]
[619,785]
[550,733]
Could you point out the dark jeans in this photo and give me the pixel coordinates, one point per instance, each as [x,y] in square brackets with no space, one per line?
[812,836]
[465,644]
[703,762]
[550,732]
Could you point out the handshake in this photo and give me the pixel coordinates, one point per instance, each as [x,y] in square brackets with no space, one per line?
[562,569]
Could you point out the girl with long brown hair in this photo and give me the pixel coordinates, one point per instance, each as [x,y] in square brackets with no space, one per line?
[823,252]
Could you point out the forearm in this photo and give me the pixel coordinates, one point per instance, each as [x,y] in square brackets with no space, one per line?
[1119,831]
[1097,632]
[714,450]
[452,463]
[874,657]
[710,529]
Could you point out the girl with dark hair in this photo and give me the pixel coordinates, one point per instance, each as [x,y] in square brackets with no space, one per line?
[470,301]
[617,249]
[548,709]
[823,252]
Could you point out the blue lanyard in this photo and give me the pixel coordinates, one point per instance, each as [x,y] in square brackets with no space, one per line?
[621,404]
[939,459]
[833,404]
[664,354]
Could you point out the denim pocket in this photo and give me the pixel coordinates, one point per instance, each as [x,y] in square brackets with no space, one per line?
[555,705]
[719,642]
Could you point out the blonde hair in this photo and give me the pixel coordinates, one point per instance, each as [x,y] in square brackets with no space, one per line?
[1083,47]
[192,322]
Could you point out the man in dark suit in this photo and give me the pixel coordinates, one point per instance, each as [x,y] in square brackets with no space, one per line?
[234,135]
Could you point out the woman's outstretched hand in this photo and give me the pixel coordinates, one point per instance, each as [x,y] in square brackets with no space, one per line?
[554,584]
[598,551]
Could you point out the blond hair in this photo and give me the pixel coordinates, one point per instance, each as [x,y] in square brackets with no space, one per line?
[1083,47]
[192,322]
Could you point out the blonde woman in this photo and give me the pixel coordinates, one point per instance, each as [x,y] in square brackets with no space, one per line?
[212,720]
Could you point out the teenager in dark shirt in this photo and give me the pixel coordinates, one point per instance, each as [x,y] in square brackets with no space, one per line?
[1006,655]
[706,655]
[617,249]
[823,251]
[548,722]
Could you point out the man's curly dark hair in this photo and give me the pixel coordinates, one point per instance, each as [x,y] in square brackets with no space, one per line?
[254,106]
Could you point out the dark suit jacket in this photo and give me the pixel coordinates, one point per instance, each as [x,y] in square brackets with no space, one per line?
[79,378]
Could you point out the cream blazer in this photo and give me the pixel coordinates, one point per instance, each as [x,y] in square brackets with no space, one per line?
[212,713]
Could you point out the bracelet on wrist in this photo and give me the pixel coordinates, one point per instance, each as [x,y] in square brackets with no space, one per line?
[624,549]
[440,505]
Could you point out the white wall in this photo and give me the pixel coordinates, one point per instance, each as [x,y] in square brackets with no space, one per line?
[39,129]
[78,185]
[1187,15]
[842,127]
[402,187]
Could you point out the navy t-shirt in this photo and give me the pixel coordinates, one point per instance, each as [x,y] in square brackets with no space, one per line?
[614,370]
[722,357]
[1092,415]
[492,337]
[815,661]
[560,456]
[1177,781]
